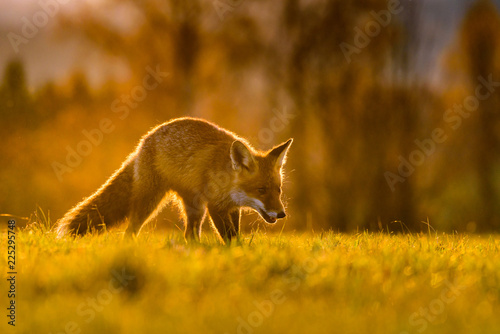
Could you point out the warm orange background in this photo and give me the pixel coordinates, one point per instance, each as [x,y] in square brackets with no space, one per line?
[267,71]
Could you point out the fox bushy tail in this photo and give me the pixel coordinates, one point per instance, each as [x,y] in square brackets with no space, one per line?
[108,206]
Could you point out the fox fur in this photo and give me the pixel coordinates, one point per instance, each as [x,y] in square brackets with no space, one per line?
[209,168]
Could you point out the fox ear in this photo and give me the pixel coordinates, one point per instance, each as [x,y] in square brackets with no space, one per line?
[241,157]
[279,153]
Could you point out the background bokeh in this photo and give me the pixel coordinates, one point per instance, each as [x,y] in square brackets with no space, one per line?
[365,87]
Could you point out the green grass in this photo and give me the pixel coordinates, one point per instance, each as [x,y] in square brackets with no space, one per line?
[321,283]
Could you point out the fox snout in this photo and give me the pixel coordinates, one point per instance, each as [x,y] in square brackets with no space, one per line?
[272,216]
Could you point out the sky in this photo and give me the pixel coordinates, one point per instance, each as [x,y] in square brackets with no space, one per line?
[48,55]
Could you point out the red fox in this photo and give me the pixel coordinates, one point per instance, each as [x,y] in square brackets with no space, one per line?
[209,168]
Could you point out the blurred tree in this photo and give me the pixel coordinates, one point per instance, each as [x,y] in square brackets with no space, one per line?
[351,100]
[79,89]
[480,44]
[48,101]
[167,39]
[406,106]
[16,106]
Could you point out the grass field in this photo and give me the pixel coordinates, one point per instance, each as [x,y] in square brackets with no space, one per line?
[293,283]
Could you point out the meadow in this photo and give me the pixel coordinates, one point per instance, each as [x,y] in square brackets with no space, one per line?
[262,283]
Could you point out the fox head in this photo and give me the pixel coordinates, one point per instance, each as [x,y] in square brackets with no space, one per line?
[258,179]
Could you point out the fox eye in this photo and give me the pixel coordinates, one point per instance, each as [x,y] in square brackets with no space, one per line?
[279,190]
[262,190]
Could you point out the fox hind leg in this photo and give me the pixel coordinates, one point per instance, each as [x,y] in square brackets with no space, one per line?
[144,204]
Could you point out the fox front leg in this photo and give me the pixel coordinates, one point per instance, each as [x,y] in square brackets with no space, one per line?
[223,223]
[235,219]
